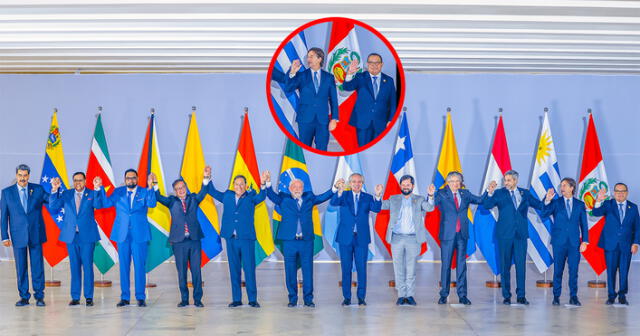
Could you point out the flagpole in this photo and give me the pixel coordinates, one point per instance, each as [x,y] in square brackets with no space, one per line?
[544,283]
[494,283]
[51,282]
[392,282]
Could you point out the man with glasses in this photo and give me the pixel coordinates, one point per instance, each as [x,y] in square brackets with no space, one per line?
[620,238]
[376,102]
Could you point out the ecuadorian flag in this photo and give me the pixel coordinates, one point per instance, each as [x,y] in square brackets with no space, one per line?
[295,167]
[192,172]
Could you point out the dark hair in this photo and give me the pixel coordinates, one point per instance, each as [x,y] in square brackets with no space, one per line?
[374,54]
[79,173]
[572,184]
[407,177]
[23,166]
[130,170]
[622,184]
[318,53]
[173,185]
[240,176]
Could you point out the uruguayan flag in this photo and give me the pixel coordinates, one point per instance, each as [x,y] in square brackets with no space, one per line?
[546,174]
[285,103]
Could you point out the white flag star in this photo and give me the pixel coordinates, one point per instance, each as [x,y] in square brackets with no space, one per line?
[59,218]
[45,179]
[400,143]
[62,211]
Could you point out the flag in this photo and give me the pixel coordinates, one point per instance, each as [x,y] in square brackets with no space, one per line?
[402,163]
[246,165]
[294,167]
[546,174]
[347,165]
[159,217]
[192,172]
[343,49]
[285,103]
[105,254]
[449,161]
[484,221]
[54,166]
[593,177]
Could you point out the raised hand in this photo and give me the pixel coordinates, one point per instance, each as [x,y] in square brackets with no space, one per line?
[492,186]
[378,190]
[97,182]
[55,184]
[295,66]
[266,176]
[339,184]
[207,172]
[431,190]
[152,180]
[353,67]
[550,195]
[602,195]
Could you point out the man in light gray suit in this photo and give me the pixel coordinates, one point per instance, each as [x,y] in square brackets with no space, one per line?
[406,232]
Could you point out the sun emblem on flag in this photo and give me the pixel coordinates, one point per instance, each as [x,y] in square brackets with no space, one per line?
[54,137]
[544,148]
[339,64]
[589,192]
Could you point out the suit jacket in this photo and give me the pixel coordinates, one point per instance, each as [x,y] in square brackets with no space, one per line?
[368,108]
[84,220]
[394,205]
[179,217]
[449,215]
[130,219]
[512,223]
[614,232]
[349,218]
[314,107]
[564,229]
[291,214]
[238,217]
[23,228]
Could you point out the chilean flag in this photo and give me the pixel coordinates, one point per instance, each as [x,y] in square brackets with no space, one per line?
[402,164]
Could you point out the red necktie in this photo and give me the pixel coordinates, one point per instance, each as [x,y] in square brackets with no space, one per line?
[186,226]
[455,199]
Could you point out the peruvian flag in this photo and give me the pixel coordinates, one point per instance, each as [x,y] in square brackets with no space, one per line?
[402,163]
[343,48]
[593,177]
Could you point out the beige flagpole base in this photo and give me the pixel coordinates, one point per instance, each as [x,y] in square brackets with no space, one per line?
[392,283]
[452,284]
[190,284]
[353,283]
[492,284]
[52,283]
[299,283]
[544,283]
[102,283]
[243,284]
[151,285]
[597,284]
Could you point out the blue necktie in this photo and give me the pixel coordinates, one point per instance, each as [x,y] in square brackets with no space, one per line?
[316,84]
[621,206]
[375,87]
[513,198]
[355,209]
[129,193]
[23,198]
[299,228]
[568,208]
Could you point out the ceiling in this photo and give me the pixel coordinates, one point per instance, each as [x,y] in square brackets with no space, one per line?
[517,36]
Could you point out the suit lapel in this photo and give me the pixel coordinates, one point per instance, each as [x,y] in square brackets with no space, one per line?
[29,197]
[369,84]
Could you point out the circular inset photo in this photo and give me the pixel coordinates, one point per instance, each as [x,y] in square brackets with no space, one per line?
[335,86]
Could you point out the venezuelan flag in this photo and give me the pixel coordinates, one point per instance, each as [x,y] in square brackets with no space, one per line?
[192,172]
[295,167]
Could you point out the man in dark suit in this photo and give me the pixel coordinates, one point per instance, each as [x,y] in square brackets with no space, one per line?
[296,233]
[511,231]
[23,228]
[131,231]
[376,102]
[79,231]
[353,232]
[317,110]
[239,231]
[620,238]
[569,237]
[184,236]
[453,202]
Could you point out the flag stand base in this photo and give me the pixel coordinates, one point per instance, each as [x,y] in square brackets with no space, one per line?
[190,284]
[299,283]
[452,284]
[52,283]
[492,284]
[597,284]
[353,283]
[544,283]
[243,284]
[392,283]
[151,285]
[102,283]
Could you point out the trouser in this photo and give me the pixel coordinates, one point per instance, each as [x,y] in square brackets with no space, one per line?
[512,250]
[618,260]
[138,251]
[37,270]
[188,255]
[242,256]
[448,247]
[81,265]
[405,251]
[348,254]
[314,131]
[565,253]
[298,251]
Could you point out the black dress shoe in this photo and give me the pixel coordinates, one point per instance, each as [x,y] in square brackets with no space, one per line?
[254,304]
[141,303]
[410,301]
[610,301]
[122,303]
[556,301]
[310,304]
[506,301]
[623,300]
[346,302]
[361,302]
[523,300]
[74,302]
[40,303]
[198,304]
[22,302]
[442,300]
[400,301]
[235,304]
[183,304]
[89,303]
[574,301]
[292,305]
[465,301]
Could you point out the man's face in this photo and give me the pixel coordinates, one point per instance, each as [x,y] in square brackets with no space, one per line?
[356,182]
[510,182]
[131,180]
[180,189]
[22,176]
[620,193]
[406,187]
[566,189]
[454,183]
[374,65]
[239,186]
[79,182]
[313,60]
[296,187]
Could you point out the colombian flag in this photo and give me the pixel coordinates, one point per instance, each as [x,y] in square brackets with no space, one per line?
[192,172]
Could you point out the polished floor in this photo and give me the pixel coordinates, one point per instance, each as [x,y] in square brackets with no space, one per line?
[487,315]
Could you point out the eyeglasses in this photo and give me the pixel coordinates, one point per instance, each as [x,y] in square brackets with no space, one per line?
[78,180]
[620,191]
[374,63]
[131,178]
